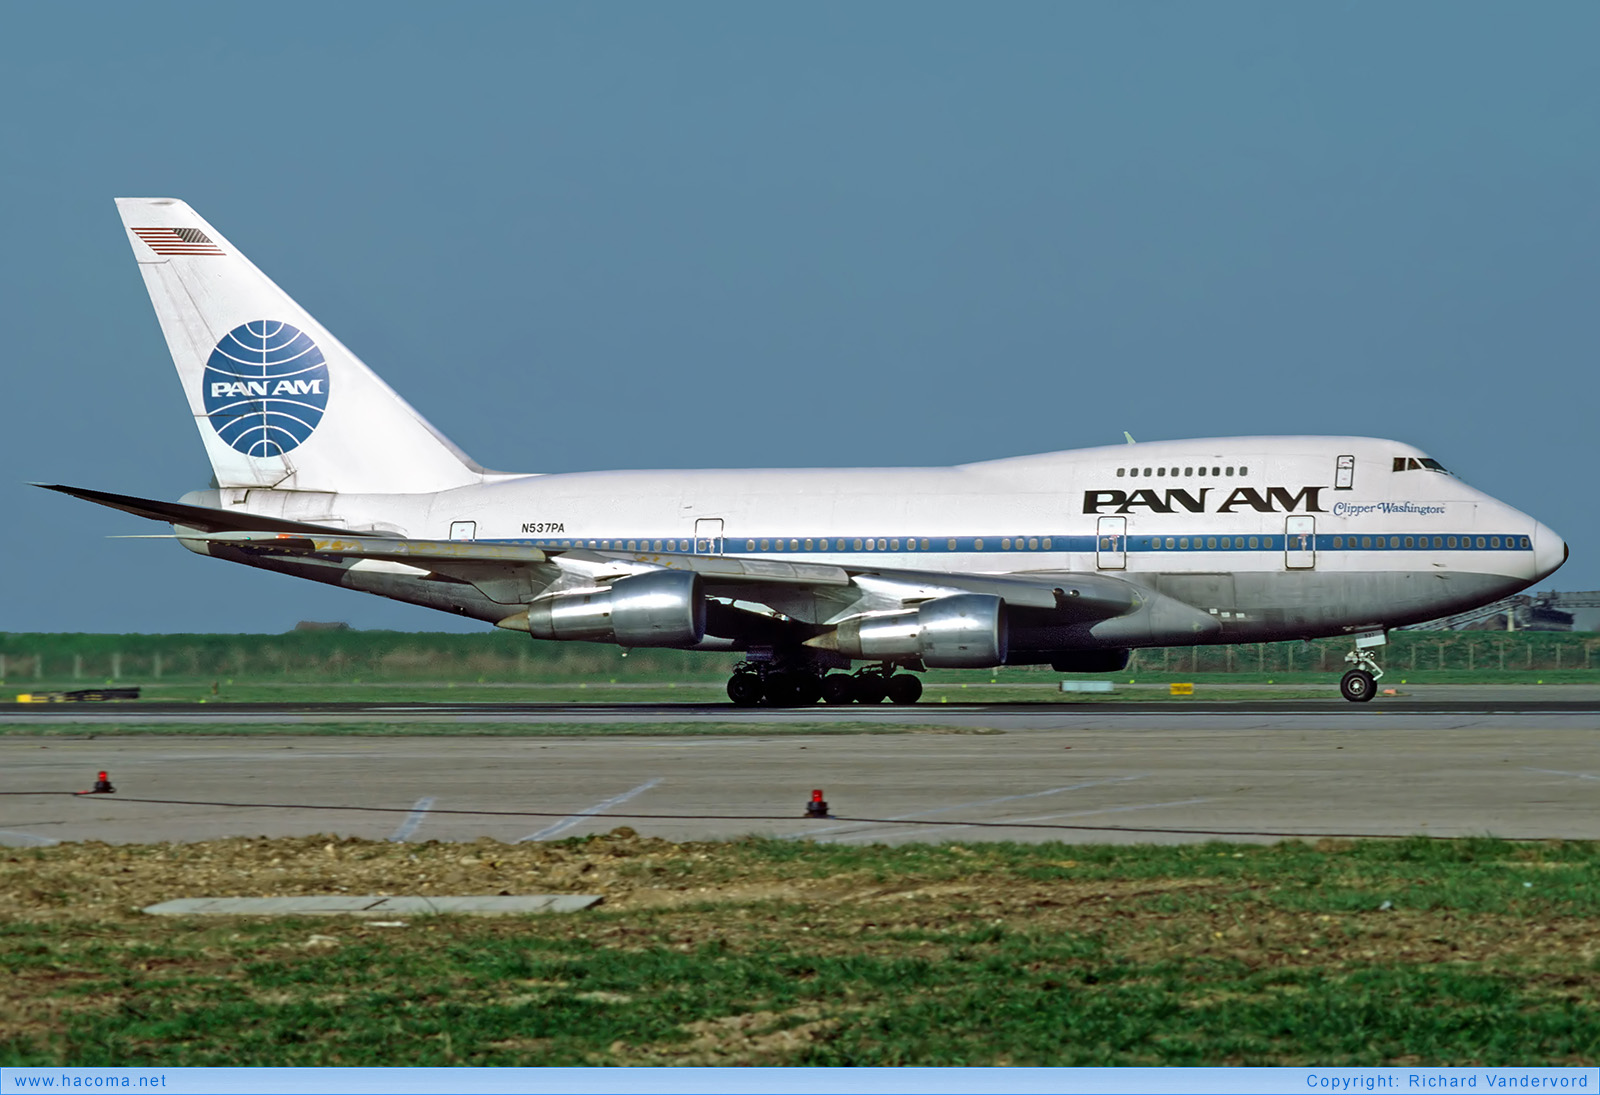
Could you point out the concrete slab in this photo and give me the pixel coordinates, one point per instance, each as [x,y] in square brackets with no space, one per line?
[376,905]
[1085,772]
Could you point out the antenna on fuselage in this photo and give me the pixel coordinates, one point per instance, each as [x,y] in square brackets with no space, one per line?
[1129,436]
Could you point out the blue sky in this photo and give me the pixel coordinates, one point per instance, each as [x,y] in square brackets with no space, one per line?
[689,235]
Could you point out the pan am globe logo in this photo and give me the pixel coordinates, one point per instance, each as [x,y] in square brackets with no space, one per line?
[266,388]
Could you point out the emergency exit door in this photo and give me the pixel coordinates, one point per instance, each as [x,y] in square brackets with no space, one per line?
[1111,544]
[708,536]
[1300,543]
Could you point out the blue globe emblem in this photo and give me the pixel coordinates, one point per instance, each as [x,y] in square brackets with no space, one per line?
[266,388]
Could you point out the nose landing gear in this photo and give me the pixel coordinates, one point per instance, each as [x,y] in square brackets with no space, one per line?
[1360,684]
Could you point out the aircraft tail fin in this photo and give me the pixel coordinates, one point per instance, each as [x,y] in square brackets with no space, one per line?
[280,403]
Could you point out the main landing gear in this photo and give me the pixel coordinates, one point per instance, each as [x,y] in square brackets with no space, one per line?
[1361,683]
[756,683]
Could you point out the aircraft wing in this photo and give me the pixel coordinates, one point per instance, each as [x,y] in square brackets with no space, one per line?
[792,591]
[808,596]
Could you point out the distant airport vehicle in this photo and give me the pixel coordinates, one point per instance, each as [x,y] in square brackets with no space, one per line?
[1070,559]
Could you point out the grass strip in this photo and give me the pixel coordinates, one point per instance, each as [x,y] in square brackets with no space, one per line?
[776,952]
[507,728]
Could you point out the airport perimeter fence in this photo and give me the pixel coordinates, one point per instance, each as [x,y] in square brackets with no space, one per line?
[374,656]
[1480,652]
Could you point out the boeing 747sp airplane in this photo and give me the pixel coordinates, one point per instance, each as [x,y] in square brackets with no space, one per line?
[1071,558]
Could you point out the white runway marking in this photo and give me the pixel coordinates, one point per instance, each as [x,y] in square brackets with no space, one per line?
[1574,775]
[980,802]
[16,839]
[413,821]
[1041,817]
[598,808]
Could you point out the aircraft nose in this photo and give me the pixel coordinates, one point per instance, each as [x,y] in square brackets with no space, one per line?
[1549,552]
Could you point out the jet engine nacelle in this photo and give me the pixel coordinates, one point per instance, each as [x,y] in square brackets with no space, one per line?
[967,631]
[657,608]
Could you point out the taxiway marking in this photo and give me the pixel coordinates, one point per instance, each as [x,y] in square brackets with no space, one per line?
[1554,772]
[414,820]
[1043,817]
[979,802]
[583,815]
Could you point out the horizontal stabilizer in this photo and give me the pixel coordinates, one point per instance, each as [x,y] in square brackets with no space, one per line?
[345,545]
[198,517]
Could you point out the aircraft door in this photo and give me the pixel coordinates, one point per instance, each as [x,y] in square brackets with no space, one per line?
[1111,544]
[708,536]
[463,530]
[1300,543]
[1344,473]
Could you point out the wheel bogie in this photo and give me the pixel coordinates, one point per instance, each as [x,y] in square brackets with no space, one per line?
[761,683]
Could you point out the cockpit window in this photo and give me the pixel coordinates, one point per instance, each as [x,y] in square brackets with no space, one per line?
[1412,463]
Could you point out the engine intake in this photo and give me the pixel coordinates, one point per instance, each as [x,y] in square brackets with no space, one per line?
[967,631]
[658,608]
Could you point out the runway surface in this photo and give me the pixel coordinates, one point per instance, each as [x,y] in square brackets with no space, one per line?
[1449,700]
[1498,764]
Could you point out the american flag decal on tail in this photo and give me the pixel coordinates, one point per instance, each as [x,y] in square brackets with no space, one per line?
[177,241]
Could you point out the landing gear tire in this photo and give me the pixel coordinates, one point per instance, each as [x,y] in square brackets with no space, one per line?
[744,689]
[904,688]
[783,689]
[871,689]
[838,688]
[1358,686]
[807,689]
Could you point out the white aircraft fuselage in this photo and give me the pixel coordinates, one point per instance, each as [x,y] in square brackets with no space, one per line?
[1267,536]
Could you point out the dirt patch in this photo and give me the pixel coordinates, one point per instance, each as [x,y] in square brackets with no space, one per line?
[94,881]
[749,1038]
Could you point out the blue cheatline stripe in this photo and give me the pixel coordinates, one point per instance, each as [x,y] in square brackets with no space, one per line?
[1013,545]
